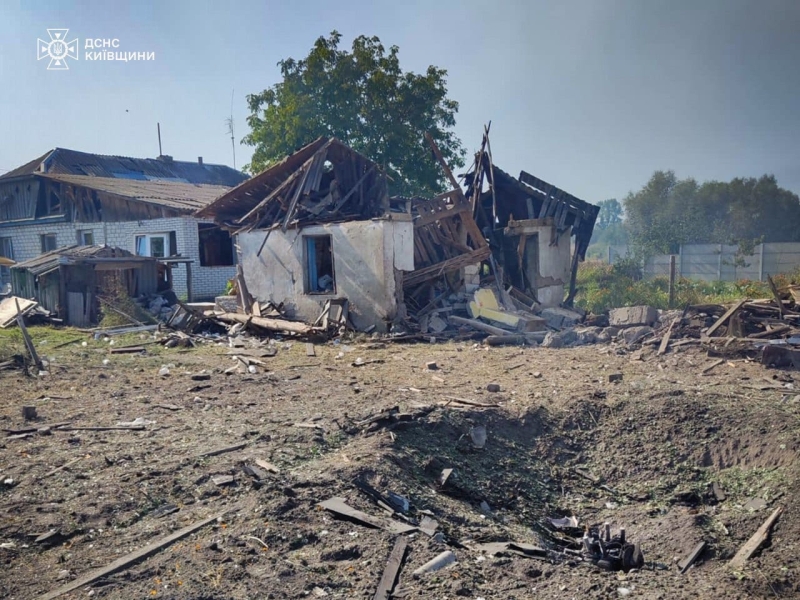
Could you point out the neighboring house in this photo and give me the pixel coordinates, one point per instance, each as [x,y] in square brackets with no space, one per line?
[144,206]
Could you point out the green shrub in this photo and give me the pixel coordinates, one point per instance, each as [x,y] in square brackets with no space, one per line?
[602,286]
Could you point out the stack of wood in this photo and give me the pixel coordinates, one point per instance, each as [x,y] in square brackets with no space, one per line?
[754,323]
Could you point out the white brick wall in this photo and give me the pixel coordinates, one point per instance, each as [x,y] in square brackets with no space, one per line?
[207,282]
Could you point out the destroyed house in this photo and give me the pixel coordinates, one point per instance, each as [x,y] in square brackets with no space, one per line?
[145,206]
[530,225]
[317,227]
[71,283]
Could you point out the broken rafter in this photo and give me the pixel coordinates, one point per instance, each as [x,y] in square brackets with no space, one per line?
[724,318]
[282,187]
[313,170]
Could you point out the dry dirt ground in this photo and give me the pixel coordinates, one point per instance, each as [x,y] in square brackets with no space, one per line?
[656,441]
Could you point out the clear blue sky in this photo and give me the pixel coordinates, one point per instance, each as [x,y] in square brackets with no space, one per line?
[591,95]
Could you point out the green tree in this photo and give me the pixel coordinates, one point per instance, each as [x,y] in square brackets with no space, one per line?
[668,212]
[363,98]
[610,214]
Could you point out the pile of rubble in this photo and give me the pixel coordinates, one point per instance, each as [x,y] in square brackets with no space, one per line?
[764,329]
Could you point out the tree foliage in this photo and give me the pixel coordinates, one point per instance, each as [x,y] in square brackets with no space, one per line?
[363,98]
[610,214]
[668,212]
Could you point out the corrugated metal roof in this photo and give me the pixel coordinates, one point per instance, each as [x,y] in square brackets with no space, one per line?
[182,196]
[63,161]
[71,254]
[26,169]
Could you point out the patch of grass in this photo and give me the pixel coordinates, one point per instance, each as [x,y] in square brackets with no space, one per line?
[740,484]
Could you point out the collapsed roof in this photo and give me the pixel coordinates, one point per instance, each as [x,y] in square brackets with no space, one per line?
[75,254]
[324,181]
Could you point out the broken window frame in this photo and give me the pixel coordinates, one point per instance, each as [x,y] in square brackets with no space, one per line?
[85,237]
[143,244]
[219,259]
[6,251]
[310,269]
[48,241]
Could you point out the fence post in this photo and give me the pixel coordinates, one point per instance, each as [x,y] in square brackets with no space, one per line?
[680,262]
[761,262]
[609,254]
[672,263]
[719,264]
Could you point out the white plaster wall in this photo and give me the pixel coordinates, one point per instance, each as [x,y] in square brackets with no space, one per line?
[365,255]
[554,262]
[207,282]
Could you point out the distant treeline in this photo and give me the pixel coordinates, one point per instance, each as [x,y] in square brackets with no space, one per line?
[668,212]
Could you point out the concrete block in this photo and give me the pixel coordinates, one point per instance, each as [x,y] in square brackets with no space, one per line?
[632,335]
[631,316]
[560,318]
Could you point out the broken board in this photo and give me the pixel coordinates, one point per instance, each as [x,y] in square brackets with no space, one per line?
[340,508]
[8,309]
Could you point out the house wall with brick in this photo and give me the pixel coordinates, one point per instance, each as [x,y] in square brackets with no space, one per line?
[207,282]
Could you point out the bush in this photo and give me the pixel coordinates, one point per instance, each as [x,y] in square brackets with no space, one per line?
[602,287]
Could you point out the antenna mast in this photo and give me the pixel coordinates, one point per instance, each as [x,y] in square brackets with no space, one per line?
[229,123]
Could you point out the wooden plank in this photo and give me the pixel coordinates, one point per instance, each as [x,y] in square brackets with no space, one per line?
[769,333]
[438,153]
[716,363]
[392,570]
[129,559]
[267,465]
[9,308]
[775,294]
[662,349]
[310,350]
[479,325]
[66,465]
[754,543]
[724,318]
[266,323]
[27,338]
[434,271]
[115,428]
[692,557]
[222,450]
[339,507]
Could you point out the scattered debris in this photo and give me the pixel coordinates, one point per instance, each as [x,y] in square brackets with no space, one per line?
[754,543]
[392,570]
[437,563]
[129,559]
[478,435]
[611,553]
[340,508]
[692,557]
[221,480]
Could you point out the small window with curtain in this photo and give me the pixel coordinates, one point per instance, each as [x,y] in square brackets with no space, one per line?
[319,275]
